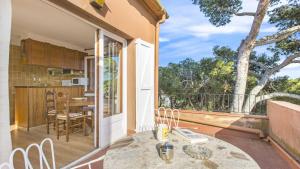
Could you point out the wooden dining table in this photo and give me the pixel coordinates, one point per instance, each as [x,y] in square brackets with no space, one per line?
[81,102]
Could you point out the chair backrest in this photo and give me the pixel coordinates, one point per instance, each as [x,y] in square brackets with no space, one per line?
[171,117]
[50,102]
[43,161]
[62,103]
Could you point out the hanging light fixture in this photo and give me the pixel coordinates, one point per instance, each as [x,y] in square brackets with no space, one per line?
[97,3]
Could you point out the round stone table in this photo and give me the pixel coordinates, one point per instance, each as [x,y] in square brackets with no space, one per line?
[139,152]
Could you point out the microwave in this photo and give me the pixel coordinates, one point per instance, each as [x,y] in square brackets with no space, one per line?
[79,81]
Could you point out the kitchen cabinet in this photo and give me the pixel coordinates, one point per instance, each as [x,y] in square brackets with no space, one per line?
[73,59]
[30,106]
[69,58]
[80,60]
[36,106]
[49,55]
[56,55]
[34,52]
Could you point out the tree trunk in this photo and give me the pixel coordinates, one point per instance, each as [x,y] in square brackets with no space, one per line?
[244,52]
[272,95]
[276,94]
[5,29]
[251,99]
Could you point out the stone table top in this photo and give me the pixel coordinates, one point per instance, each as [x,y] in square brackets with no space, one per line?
[139,152]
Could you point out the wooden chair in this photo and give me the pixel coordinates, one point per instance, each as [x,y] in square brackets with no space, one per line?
[89,112]
[50,109]
[69,120]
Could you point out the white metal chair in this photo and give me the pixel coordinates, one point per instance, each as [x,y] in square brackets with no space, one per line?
[25,154]
[168,116]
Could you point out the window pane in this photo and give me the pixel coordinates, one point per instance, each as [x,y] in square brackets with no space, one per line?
[112,77]
[91,75]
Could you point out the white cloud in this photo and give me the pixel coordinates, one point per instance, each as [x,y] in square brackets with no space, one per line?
[184,48]
[292,70]
[188,33]
[269,29]
[208,30]
[162,39]
[187,20]
[249,5]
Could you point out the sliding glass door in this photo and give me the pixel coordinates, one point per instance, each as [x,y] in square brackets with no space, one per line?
[112,77]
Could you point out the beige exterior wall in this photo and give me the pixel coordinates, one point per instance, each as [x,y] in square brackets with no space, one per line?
[128,16]
[284,125]
[130,19]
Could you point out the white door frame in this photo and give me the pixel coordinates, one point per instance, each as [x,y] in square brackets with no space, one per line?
[5,32]
[123,114]
[85,69]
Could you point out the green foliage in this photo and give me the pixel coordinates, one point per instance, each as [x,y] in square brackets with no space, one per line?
[284,84]
[268,61]
[110,75]
[186,80]
[169,82]
[293,86]
[219,11]
[284,17]
[225,53]
[182,82]
[277,84]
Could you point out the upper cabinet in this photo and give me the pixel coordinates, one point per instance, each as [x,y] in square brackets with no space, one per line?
[45,54]
[56,55]
[73,59]
[35,52]
[80,59]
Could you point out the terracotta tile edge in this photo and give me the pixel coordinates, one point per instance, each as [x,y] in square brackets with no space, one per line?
[291,161]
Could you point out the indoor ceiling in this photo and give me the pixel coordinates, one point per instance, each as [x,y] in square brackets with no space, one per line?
[39,19]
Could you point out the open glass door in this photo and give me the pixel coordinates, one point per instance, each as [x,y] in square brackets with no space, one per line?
[113,119]
[112,77]
[89,74]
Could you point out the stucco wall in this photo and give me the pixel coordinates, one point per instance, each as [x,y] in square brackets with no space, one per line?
[128,18]
[284,125]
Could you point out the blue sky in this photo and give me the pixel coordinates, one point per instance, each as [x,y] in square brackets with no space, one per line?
[188,34]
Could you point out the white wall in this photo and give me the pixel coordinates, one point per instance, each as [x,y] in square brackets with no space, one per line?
[5,31]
